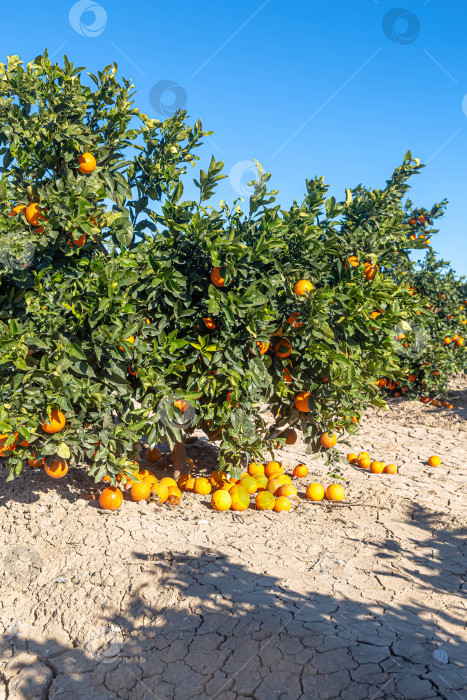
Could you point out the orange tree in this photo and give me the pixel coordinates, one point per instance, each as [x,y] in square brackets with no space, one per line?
[431,346]
[127,311]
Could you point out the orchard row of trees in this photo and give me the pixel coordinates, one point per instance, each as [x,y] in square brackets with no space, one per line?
[126,310]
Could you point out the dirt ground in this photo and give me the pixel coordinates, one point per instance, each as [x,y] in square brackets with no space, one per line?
[343,601]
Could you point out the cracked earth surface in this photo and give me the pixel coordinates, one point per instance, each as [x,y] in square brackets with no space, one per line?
[329,601]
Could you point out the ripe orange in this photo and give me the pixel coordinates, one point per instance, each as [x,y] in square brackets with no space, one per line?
[33,214]
[209,323]
[87,163]
[265,500]
[57,470]
[263,347]
[459,342]
[287,377]
[411,377]
[255,468]
[352,261]
[302,402]
[364,462]
[249,483]
[390,469]
[221,500]
[335,492]
[315,492]
[33,462]
[292,320]
[353,458]
[225,486]
[370,270]
[283,348]
[447,340]
[377,467]
[216,277]
[168,481]
[273,467]
[17,209]
[153,455]
[262,482]
[291,437]
[162,491]
[174,491]
[217,477]
[434,461]
[273,486]
[287,490]
[111,498]
[281,478]
[140,491]
[240,498]
[202,486]
[282,503]
[327,440]
[55,423]
[303,288]
[300,471]
[3,439]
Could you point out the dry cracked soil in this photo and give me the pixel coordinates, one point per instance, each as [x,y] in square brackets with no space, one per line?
[344,601]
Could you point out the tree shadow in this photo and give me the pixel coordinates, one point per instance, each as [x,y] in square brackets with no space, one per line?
[200,625]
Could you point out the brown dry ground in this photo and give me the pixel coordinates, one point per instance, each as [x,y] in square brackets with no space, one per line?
[331,601]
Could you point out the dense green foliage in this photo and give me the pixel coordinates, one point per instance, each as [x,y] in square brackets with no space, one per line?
[75,319]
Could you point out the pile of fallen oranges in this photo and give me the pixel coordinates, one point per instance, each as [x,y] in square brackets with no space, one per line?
[273,488]
[364,461]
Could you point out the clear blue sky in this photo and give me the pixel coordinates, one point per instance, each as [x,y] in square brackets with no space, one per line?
[305,87]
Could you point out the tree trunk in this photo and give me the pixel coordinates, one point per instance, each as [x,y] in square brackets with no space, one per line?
[179,459]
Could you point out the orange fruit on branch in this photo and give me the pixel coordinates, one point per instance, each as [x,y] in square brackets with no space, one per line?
[302,402]
[327,440]
[18,209]
[55,423]
[291,437]
[34,215]
[87,163]
[216,277]
[57,470]
[303,288]
[153,454]
[283,348]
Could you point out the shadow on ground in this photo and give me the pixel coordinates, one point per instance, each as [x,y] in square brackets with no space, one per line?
[198,625]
